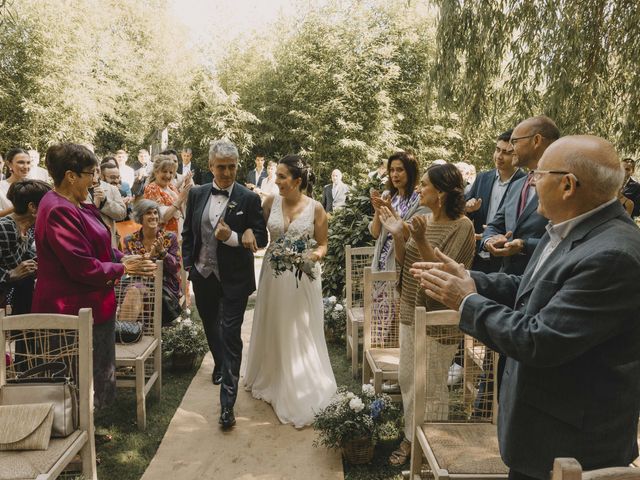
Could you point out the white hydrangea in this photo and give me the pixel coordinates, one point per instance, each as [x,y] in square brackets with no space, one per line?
[356,405]
[338,307]
[368,389]
[351,395]
[333,299]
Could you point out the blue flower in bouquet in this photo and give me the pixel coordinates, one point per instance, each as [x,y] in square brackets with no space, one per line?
[299,245]
[376,408]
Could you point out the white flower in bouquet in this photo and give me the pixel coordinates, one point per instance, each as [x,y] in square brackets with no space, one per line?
[333,299]
[338,307]
[350,395]
[356,405]
[368,389]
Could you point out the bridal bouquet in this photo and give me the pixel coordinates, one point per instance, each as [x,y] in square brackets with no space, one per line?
[292,254]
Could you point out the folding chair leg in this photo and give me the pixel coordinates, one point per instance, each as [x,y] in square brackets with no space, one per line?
[354,356]
[140,397]
[416,458]
[157,363]
[88,456]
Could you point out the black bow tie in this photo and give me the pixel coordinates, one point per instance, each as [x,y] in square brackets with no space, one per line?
[215,191]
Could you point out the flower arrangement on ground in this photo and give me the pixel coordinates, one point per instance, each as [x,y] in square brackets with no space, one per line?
[335,317]
[352,418]
[292,254]
[184,342]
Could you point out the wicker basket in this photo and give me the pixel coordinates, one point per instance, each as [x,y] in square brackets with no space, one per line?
[358,451]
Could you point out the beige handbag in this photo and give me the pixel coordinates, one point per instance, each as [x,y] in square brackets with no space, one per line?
[25,427]
[56,390]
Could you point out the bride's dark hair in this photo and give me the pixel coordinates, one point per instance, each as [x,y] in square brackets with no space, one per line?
[298,168]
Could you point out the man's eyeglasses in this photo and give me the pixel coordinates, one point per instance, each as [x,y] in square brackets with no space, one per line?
[513,140]
[537,174]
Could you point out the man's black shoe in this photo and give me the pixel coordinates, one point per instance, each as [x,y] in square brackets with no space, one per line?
[216,377]
[227,418]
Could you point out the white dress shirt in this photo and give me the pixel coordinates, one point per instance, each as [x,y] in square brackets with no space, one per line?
[217,207]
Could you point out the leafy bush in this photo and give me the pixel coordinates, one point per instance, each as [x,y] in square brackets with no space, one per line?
[348,226]
[350,417]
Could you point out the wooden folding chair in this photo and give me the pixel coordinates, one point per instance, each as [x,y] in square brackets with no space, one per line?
[356,259]
[381,346]
[48,338]
[144,356]
[453,428]
[570,469]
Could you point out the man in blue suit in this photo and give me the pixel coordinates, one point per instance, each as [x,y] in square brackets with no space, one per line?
[486,196]
[569,325]
[516,228]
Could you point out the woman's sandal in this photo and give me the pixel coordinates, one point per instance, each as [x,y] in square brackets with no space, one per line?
[401,455]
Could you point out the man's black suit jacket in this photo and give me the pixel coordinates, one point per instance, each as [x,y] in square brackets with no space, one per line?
[235,264]
[327,198]
[251,177]
[632,191]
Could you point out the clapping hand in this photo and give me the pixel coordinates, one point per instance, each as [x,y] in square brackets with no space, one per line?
[98,195]
[446,281]
[223,231]
[23,270]
[138,265]
[473,205]
[378,201]
[503,246]
[157,249]
[391,220]
[418,228]
[249,240]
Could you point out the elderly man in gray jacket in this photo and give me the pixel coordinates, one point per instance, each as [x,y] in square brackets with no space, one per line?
[569,325]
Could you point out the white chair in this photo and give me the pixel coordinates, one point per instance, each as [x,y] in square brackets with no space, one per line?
[381,345]
[356,260]
[144,356]
[62,338]
[453,429]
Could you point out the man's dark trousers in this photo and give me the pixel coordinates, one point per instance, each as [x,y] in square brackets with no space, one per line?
[222,321]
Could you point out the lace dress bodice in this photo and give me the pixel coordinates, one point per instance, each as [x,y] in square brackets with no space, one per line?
[302,225]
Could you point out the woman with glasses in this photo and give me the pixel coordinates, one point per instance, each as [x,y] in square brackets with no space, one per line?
[77,266]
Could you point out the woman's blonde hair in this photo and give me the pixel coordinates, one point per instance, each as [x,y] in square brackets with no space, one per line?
[160,161]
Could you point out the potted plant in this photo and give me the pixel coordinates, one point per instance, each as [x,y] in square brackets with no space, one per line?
[355,423]
[184,343]
[335,317]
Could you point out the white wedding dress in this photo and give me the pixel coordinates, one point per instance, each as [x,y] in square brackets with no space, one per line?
[288,363]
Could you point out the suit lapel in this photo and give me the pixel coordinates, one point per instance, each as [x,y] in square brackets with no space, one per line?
[234,200]
[512,197]
[531,207]
[203,195]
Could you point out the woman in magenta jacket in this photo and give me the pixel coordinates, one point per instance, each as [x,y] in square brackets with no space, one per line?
[77,267]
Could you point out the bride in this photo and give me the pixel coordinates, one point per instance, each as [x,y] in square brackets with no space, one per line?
[288,363]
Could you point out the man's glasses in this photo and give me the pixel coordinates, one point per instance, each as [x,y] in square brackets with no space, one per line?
[513,140]
[537,174]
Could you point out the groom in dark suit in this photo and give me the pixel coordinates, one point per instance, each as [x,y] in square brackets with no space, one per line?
[220,266]
[569,325]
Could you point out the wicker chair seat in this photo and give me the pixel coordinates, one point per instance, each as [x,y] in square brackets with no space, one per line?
[24,464]
[356,314]
[386,359]
[131,351]
[466,448]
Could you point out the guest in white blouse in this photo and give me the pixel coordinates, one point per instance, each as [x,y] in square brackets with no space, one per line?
[268,185]
[19,165]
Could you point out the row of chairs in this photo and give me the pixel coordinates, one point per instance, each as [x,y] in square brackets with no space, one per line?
[138,365]
[449,418]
